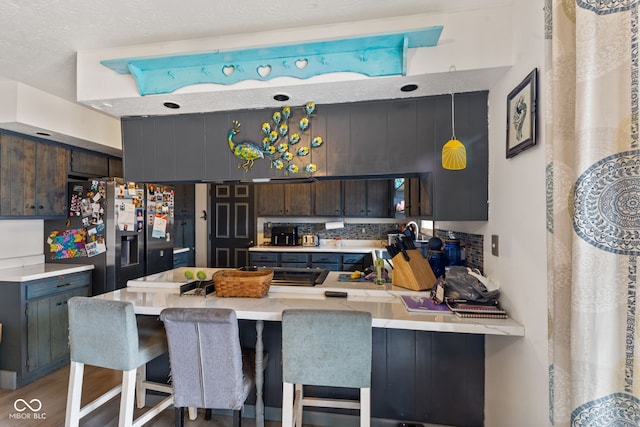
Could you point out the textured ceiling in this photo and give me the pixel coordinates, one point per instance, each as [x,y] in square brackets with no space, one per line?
[40,38]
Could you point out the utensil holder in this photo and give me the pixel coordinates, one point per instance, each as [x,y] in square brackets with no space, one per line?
[415,274]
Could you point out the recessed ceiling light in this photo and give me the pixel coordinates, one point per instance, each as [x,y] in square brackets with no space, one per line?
[43,133]
[409,88]
[172,105]
[281,97]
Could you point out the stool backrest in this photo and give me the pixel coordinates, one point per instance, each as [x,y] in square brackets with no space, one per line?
[326,347]
[103,333]
[205,358]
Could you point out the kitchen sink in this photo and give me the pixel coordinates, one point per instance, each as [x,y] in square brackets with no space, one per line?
[290,276]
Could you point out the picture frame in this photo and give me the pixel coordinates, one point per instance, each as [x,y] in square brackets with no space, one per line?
[521,115]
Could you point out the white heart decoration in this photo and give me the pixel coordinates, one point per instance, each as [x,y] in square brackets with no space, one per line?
[227,70]
[264,70]
[302,63]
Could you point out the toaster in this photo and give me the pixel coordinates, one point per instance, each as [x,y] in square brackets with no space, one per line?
[310,240]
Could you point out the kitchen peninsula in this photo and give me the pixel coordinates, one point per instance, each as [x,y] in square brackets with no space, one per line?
[416,356]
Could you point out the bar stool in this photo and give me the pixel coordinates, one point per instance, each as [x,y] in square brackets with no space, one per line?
[325,348]
[208,367]
[108,334]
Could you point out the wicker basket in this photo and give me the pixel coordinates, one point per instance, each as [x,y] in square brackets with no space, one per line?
[236,283]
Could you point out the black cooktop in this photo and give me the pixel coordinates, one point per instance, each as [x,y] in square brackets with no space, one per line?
[290,276]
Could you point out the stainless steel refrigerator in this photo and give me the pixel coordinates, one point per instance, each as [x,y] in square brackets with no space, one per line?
[112,225]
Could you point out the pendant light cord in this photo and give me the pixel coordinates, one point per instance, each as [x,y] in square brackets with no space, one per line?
[453,118]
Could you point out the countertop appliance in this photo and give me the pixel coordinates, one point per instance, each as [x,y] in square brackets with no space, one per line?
[291,276]
[284,236]
[310,240]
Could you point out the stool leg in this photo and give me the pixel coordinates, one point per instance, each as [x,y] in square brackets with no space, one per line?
[365,407]
[298,399]
[179,421]
[141,390]
[72,417]
[287,404]
[193,413]
[127,399]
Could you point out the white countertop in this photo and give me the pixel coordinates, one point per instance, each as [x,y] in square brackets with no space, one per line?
[40,271]
[153,293]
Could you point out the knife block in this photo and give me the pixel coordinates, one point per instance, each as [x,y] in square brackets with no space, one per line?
[415,274]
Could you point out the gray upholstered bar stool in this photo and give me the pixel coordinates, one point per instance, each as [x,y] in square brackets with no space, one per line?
[325,348]
[208,367]
[108,334]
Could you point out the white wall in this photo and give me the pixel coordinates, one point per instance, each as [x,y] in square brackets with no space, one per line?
[22,242]
[516,369]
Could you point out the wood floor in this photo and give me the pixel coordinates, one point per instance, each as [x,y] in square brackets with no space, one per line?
[51,391]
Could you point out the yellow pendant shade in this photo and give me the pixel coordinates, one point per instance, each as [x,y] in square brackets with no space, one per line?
[454,155]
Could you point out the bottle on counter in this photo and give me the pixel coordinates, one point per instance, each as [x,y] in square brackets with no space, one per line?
[379,264]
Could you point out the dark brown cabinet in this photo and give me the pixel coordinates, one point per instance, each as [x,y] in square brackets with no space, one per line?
[284,199]
[33,177]
[270,199]
[89,164]
[417,196]
[327,198]
[355,197]
[367,198]
[297,199]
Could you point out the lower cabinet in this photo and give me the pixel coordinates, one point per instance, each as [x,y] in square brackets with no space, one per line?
[334,261]
[35,325]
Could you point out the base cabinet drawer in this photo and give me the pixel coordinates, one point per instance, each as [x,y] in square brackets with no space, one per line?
[268,259]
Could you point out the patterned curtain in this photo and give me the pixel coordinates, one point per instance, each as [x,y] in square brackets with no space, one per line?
[593,211]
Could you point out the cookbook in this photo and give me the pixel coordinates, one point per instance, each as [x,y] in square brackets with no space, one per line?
[422,304]
[475,310]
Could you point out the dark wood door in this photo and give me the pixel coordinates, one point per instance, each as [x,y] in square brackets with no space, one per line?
[355,197]
[270,199]
[327,197]
[297,199]
[379,198]
[233,225]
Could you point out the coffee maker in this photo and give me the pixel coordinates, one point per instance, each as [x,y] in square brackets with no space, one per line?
[284,236]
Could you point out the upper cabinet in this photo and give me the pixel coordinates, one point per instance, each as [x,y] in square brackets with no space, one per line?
[367,198]
[327,198]
[88,164]
[284,199]
[33,178]
[364,139]
[91,164]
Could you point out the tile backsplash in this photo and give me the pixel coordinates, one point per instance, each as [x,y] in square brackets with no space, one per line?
[473,244]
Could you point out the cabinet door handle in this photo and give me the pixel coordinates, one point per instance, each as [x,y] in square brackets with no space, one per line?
[63,285]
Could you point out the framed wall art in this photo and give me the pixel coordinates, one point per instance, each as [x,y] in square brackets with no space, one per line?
[521,115]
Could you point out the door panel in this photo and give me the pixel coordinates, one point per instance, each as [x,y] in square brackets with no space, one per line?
[234,229]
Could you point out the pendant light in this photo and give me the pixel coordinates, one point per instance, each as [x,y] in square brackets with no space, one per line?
[454,154]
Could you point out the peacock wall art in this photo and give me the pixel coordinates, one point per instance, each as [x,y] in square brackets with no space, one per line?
[281,145]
